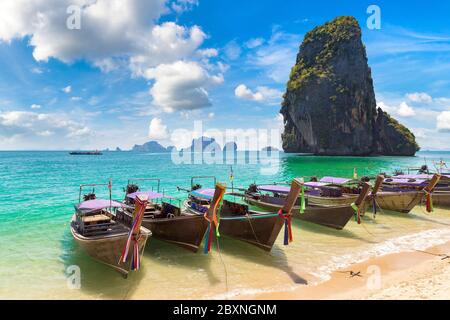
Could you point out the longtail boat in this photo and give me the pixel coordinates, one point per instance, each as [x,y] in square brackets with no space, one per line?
[408,182]
[167,221]
[328,191]
[333,216]
[402,200]
[104,233]
[260,229]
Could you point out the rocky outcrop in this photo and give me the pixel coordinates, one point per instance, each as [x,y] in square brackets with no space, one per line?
[204,144]
[329,107]
[150,147]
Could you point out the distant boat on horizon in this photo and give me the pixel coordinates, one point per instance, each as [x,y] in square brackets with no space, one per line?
[86,153]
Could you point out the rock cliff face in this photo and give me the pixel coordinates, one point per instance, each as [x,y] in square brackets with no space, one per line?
[329,107]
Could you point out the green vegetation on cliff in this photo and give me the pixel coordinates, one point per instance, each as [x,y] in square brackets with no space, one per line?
[331,35]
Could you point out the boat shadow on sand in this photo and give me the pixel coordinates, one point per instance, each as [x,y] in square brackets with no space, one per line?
[276,258]
[97,279]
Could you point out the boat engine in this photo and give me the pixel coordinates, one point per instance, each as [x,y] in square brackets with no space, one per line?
[132,188]
[424,169]
[253,188]
[89,196]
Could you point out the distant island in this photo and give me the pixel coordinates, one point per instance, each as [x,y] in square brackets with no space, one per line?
[329,107]
[269,148]
[150,147]
[201,144]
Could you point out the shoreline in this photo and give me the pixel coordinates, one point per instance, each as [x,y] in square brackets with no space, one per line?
[405,275]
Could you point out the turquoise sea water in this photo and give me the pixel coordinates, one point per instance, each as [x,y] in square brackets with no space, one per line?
[38,191]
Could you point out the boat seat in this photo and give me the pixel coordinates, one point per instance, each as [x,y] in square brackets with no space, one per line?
[96,219]
[232,208]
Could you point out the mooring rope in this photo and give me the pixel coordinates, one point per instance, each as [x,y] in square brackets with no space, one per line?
[223,264]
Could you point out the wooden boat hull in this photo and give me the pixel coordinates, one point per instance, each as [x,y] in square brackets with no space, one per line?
[332,217]
[108,249]
[346,199]
[185,231]
[441,198]
[397,201]
[260,230]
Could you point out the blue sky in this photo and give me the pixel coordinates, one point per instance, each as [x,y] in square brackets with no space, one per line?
[138,70]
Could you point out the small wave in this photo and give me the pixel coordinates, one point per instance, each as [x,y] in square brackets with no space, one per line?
[418,241]
[232,294]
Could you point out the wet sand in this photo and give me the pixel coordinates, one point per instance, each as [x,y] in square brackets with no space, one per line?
[405,275]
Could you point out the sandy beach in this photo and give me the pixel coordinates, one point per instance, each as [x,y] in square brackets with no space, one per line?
[407,275]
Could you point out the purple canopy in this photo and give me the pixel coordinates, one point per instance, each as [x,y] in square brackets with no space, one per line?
[419,176]
[207,194]
[274,188]
[315,184]
[406,182]
[151,195]
[98,204]
[414,176]
[335,180]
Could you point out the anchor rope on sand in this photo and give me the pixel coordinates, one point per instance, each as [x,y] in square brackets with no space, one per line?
[442,255]
[352,273]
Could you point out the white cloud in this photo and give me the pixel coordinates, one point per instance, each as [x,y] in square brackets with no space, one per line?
[181,86]
[29,124]
[277,56]
[67,89]
[443,121]
[404,110]
[76,98]
[419,97]
[168,43]
[108,27]
[114,33]
[37,70]
[262,94]
[35,106]
[232,50]
[157,130]
[180,6]
[243,92]
[253,43]
[211,115]
[398,40]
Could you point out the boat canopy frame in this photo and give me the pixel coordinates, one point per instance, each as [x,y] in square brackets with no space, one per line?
[145,179]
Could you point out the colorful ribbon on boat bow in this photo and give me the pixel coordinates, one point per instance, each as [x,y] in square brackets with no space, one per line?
[287,227]
[428,201]
[134,236]
[302,200]
[357,212]
[213,223]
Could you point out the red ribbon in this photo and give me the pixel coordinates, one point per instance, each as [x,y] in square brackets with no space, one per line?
[288,227]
